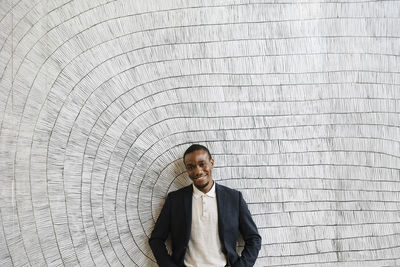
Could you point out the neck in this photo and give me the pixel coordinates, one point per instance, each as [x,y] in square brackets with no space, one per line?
[207,188]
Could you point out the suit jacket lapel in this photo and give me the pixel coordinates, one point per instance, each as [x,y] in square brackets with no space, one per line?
[187,199]
[220,200]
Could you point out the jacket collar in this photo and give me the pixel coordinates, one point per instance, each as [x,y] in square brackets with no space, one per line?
[221,198]
[187,201]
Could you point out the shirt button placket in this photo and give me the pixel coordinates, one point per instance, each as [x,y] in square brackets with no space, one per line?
[204,206]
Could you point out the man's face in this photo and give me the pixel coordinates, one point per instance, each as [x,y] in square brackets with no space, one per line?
[199,167]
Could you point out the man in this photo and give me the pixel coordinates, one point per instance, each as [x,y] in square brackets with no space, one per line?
[204,220]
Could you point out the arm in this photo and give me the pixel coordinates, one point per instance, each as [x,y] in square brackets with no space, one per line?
[252,239]
[160,234]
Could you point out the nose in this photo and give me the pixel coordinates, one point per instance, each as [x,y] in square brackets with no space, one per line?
[198,172]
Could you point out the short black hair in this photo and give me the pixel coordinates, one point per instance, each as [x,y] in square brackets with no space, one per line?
[196,147]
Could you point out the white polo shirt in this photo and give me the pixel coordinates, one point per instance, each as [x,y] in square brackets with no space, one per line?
[204,249]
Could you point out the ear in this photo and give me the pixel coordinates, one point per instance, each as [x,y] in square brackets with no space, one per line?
[212,163]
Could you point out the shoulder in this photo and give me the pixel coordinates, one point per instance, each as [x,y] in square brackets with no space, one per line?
[180,192]
[225,188]
[227,191]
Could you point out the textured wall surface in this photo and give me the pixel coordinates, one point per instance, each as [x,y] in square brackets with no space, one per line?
[298,100]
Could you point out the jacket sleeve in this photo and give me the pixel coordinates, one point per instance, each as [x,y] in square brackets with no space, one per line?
[252,239]
[160,234]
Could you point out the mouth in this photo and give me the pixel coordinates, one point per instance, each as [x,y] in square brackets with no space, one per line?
[200,178]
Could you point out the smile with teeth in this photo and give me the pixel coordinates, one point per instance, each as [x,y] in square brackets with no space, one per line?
[201,177]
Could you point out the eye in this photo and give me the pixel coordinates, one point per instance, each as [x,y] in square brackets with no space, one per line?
[201,164]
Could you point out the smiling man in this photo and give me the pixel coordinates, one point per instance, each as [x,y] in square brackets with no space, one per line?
[204,220]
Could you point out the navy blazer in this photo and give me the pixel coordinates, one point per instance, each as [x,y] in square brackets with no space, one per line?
[233,217]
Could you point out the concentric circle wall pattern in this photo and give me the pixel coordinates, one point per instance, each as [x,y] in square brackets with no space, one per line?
[298,101]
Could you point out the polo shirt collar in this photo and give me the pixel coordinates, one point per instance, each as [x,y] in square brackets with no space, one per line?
[197,193]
